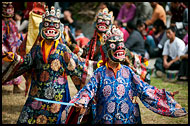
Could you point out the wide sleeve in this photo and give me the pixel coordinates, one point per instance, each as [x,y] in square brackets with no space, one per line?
[158,101]
[19,65]
[74,66]
[88,91]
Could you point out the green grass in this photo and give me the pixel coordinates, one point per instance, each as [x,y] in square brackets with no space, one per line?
[149,117]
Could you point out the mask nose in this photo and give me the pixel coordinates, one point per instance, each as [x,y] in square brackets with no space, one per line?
[120,47]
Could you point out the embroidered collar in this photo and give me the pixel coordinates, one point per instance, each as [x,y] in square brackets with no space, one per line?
[113,69]
[52,49]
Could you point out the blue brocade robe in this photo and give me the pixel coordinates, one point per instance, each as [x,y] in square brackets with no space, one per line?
[114,97]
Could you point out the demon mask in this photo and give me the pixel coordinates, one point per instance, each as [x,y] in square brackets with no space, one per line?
[50,27]
[114,44]
[103,20]
[7,9]
[39,8]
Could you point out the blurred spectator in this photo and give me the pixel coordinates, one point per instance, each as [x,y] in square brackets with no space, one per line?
[143,29]
[21,23]
[110,7]
[183,70]
[80,38]
[185,17]
[154,43]
[179,18]
[125,32]
[103,5]
[28,8]
[18,6]
[127,12]
[135,42]
[61,5]
[158,13]
[68,20]
[143,11]
[176,11]
[185,39]
[173,48]
[168,14]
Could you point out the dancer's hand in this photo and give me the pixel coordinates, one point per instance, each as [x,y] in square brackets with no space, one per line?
[9,56]
[79,105]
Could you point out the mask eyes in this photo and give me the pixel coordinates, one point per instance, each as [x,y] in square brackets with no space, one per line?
[107,22]
[46,24]
[112,46]
[121,44]
[56,25]
[99,20]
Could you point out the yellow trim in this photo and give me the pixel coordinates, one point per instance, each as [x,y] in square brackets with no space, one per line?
[7,59]
[101,38]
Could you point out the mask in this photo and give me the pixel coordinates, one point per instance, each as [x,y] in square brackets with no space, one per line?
[115,45]
[7,9]
[38,8]
[50,26]
[103,20]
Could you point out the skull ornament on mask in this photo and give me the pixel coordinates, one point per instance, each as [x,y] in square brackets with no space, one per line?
[103,20]
[50,26]
[114,44]
[7,9]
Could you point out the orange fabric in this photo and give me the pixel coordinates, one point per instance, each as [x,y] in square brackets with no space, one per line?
[47,49]
[7,59]
[114,70]
[158,13]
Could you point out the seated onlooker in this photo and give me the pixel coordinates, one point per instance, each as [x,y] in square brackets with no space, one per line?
[177,10]
[154,43]
[135,42]
[127,12]
[171,53]
[143,11]
[183,70]
[118,24]
[21,23]
[143,29]
[158,13]
[80,38]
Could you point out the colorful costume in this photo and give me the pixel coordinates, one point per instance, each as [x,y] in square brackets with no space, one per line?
[96,51]
[32,37]
[10,37]
[50,62]
[114,89]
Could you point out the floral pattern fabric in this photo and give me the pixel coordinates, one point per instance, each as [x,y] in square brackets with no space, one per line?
[114,98]
[49,81]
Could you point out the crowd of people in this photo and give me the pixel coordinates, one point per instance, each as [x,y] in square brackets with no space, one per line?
[107,68]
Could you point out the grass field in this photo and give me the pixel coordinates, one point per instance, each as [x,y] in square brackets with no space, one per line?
[12,103]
